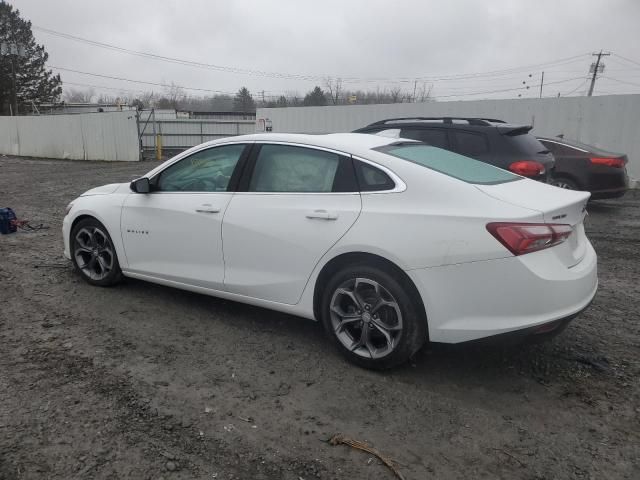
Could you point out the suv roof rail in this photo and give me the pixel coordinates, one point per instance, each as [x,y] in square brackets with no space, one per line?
[472,120]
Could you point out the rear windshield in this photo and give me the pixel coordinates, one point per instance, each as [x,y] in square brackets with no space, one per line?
[451,164]
[526,144]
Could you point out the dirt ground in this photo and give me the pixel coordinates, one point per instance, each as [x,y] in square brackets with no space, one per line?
[143,381]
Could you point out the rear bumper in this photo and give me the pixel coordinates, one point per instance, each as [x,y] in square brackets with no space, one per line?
[610,193]
[476,300]
[530,335]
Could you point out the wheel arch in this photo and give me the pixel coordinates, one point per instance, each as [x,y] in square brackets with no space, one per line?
[354,258]
[570,177]
[108,226]
[81,217]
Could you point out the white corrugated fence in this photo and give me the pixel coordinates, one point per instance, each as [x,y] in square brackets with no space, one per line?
[88,136]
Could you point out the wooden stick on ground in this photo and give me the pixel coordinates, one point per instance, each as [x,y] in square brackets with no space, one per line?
[339,439]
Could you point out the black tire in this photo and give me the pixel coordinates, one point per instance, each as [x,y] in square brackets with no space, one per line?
[406,342]
[566,183]
[91,244]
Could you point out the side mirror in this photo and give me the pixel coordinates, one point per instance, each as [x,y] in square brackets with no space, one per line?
[141,185]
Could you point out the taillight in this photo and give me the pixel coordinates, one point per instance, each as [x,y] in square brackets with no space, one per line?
[527,168]
[521,238]
[608,162]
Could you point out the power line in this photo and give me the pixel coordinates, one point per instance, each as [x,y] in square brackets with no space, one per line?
[575,89]
[306,77]
[164,85]
[505,90]
[627,59]
[621,81]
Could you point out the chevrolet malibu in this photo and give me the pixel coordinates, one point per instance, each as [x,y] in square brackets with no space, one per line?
[389,243]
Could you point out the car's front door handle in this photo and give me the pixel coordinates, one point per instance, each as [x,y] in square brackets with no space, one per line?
[207,209]
[322,215]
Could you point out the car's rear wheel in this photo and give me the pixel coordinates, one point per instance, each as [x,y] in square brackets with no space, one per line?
[563,182]
[372,317]
[93,254]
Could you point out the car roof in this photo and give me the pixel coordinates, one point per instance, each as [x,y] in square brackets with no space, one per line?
[353,143]
[497,126]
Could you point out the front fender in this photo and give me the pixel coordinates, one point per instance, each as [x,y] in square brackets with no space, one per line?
[107,209]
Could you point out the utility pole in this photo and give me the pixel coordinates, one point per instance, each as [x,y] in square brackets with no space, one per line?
[596,69]
[541,84]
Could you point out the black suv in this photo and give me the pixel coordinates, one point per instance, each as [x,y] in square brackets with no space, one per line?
[507,146]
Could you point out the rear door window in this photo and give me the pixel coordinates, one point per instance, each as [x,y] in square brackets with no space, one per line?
[471,144]
[430,136]
[450,163]
[283,168]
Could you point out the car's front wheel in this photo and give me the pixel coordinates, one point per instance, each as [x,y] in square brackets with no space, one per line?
[93,254]
[373,317]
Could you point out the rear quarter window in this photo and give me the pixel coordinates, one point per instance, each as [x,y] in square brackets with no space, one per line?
[450,163]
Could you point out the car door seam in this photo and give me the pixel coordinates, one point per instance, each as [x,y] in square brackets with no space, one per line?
[315,266]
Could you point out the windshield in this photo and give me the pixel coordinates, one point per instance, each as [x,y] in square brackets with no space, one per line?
[449,163]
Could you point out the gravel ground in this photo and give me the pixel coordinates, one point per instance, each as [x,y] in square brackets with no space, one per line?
[143,381]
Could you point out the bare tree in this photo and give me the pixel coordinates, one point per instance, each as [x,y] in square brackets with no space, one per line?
[396,95]
[334,89]
[174,95]
[74,95]
[424,93]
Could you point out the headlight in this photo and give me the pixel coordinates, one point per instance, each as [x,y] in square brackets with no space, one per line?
[68,208]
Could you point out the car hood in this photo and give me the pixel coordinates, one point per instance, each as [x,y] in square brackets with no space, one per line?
[103,190]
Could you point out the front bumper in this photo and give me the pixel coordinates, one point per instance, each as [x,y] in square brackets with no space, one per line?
[66,232]
[475,300]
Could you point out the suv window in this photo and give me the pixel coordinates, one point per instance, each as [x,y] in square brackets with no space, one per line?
[471,144]
[283,168]
[372,179]
[450,163]
[205,171]
[431,136]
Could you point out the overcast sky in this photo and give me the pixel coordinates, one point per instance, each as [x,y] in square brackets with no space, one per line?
[370,43]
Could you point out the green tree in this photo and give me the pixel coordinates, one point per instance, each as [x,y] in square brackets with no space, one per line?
[282,101]
[26,65]
[315,98]
[243,101]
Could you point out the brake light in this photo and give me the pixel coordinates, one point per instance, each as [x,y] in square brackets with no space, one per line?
[521,238]
[527,168]
[608,162]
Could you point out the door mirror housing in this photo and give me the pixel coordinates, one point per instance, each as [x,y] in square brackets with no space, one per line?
[141,185]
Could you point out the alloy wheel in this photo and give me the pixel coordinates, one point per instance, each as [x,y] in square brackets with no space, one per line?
[563,184]
[366,318]
[93,253]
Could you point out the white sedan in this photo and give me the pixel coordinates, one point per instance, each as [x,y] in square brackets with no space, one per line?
[390,243]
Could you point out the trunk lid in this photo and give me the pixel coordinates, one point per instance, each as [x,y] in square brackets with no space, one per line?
[557,205]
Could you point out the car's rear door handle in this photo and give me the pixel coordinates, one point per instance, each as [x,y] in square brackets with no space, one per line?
[207,208]
[322,215]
